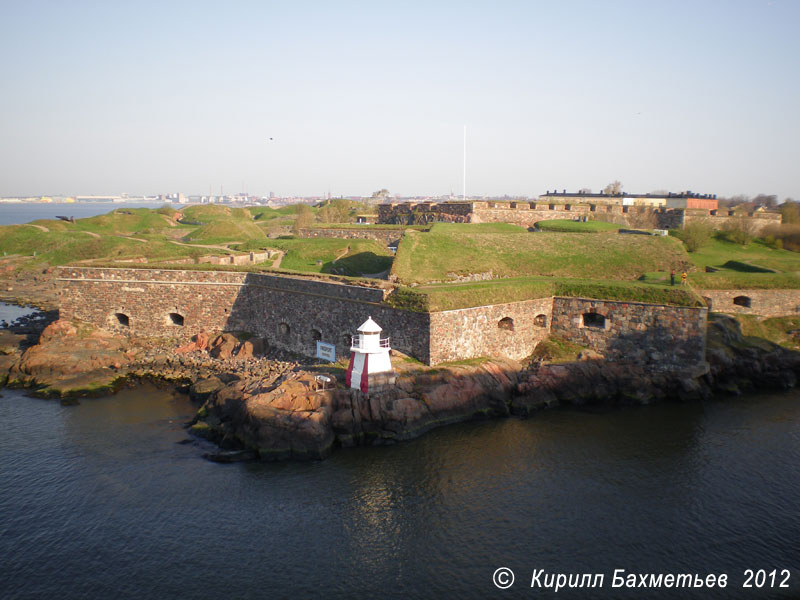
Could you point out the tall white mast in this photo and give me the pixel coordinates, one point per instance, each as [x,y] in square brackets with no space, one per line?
[464,182]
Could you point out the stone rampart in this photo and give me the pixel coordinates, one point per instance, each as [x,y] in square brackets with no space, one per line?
[294,313]
[509,330]
[649,334]
[390,237]
[763,303]
[720,219]
[527,214]
[287,312]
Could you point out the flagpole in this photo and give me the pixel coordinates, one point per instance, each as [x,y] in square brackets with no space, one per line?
[464,181]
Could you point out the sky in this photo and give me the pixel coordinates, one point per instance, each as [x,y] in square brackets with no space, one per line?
[308,98]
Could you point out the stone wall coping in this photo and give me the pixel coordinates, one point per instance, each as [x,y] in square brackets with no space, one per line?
[747,290]
[454,310]
[628,302]
[222,283]
[212,272]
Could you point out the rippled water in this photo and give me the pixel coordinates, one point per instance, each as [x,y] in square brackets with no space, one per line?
[101,501]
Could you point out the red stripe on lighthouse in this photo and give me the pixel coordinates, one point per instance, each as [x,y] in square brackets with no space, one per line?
[349,375]
[365,375]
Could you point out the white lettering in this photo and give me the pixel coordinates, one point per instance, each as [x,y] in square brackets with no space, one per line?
[561,581]
[535,580]
[614,583]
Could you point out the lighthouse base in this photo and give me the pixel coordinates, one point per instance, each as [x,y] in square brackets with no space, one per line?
[370,372]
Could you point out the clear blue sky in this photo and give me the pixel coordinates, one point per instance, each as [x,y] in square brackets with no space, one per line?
[150,97]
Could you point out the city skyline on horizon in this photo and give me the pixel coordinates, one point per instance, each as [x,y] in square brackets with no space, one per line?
[351,98]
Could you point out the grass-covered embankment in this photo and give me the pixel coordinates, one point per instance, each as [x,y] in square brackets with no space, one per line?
[722,254]
[451,296]
[569,226]
[510,251]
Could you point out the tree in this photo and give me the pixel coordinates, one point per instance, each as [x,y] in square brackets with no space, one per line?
[584,191]
[790,212]
[696,234]
[379,197]
[740,230]
[304,218]
[613,189]
[769,201]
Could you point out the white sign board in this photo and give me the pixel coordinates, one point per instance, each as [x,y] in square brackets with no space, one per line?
[326,351]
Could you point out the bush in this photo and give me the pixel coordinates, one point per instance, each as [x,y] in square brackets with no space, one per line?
[695,235]
[783,236]
[739,230]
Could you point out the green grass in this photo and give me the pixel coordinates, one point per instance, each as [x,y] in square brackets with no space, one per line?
[452,296]
[777,329]
[209,213]
[732,280]
[125,221]
[318,255]
[460,250]
[451,228]
[226,231]
[265,213]
[554,349]
[719,252]
[62,247]
[568,226]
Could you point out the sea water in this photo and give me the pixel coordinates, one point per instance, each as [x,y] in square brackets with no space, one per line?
[102,500]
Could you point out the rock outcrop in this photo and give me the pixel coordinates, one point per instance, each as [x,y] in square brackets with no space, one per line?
[68,361]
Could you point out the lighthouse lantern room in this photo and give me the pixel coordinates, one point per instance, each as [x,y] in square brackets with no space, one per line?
[370,365]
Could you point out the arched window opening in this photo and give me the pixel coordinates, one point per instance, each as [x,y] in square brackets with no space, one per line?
[123,319]
[283,329]
[176,319]
[594,320]
[506,323]
[316,335]
[743,301]
[540,320]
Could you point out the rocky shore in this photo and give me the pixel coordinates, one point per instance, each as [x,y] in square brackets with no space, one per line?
[258,403]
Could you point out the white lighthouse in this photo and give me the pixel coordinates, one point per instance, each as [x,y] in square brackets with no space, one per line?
[370,366]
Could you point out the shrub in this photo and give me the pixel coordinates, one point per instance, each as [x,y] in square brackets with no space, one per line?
[739,230]
[695,235]
[783,236]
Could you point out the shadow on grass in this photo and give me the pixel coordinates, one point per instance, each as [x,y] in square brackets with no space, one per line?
[356,264]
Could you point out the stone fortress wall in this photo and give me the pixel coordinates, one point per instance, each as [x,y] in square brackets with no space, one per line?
[293,313]
[526,214]
[289,313]
[763,303]
[652,334]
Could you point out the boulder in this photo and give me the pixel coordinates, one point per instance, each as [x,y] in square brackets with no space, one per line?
[69,361]
[223,346]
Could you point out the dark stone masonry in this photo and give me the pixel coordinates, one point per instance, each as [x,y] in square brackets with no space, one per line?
[644,334]
[293,313]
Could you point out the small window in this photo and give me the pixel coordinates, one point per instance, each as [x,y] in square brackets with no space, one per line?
[176,319]
[123,319]
[594,320]
[540,320]
[506,323]
[742,301]
[283,329]
[316,335]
